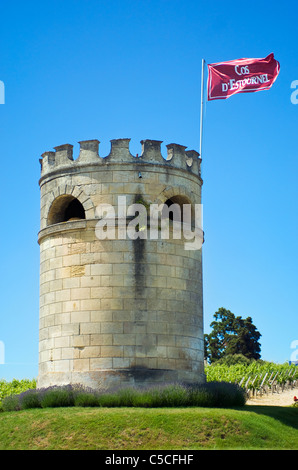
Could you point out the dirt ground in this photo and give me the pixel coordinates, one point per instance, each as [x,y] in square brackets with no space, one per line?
[285,398]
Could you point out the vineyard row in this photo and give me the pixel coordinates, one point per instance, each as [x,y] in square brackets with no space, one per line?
[255,378]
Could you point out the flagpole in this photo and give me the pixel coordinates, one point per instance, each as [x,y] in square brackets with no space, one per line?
[202,105]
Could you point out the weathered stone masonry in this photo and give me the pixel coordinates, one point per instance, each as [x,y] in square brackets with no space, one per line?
[117,311]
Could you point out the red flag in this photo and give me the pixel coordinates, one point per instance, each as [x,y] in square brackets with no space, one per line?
[241,76]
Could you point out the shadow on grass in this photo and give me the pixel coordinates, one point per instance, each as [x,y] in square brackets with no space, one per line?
[287,415]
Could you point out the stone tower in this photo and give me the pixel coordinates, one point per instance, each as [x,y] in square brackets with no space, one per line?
[122,310]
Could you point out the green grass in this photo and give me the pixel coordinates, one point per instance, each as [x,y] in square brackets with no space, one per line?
[167,418]
[249,427]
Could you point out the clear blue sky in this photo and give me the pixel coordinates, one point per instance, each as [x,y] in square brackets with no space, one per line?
[78,70]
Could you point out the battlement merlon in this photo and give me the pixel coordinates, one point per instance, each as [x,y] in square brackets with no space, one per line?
[89,151]
[177,156]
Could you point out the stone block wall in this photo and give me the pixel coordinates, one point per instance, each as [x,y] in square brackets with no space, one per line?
[117,311]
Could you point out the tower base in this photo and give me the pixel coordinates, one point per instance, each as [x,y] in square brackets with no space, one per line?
[111,379]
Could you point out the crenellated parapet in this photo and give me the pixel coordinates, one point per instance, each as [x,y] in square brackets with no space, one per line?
[177,156]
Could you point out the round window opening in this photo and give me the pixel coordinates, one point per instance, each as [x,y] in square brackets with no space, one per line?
[65,208]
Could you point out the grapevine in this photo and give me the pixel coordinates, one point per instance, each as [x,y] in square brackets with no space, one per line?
[15,386]
[256,377]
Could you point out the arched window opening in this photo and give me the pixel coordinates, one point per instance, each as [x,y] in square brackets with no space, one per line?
[64,209]
[174,210]
[74,210]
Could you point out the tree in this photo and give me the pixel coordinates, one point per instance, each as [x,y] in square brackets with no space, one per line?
[231,335]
